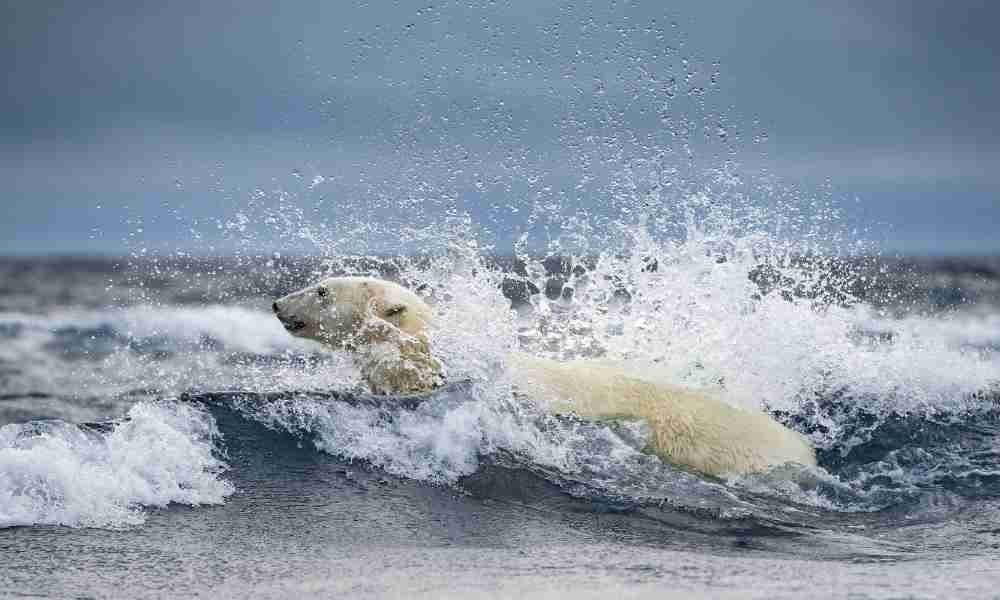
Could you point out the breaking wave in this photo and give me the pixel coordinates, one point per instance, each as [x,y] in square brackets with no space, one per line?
[57,473]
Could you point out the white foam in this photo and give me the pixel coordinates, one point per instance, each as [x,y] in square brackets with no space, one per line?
[108,354]
[55,473]
[237,328]
[234,327]
[699,320]
[440,442]
[955,330]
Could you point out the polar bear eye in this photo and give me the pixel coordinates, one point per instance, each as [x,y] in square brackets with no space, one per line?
[321,292]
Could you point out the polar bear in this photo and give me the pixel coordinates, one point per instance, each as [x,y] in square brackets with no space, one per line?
[384,326]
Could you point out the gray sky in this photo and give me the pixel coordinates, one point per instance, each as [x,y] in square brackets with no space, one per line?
[174,113]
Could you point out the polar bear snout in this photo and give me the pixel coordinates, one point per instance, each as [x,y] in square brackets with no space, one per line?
[291,322]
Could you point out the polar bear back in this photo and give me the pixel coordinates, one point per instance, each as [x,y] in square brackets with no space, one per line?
[689,428]
[384,326]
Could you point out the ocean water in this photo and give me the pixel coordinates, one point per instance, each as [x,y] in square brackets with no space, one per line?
[162,435]
[573,184]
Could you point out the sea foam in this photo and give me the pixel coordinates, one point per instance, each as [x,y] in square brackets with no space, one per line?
[56,473]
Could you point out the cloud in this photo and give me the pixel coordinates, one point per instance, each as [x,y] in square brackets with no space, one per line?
[123,99]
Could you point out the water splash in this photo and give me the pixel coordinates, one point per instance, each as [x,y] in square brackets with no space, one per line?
[629,228]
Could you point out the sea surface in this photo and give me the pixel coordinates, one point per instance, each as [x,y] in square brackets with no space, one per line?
[162,435]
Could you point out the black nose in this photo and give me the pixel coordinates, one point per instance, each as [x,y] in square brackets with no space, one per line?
[274,307]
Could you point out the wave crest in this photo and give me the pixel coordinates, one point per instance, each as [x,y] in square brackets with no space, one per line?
[56,473]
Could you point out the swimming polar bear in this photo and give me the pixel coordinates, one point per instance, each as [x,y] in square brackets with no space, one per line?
[384,326]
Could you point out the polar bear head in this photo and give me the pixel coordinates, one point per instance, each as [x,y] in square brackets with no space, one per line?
[353,312]
[381,323]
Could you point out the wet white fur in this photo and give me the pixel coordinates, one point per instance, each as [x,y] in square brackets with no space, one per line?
[384,325]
